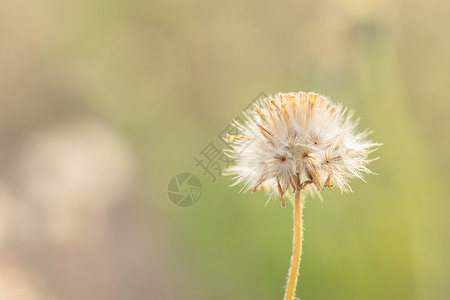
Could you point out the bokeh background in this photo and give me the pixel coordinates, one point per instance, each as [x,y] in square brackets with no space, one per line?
[103,102]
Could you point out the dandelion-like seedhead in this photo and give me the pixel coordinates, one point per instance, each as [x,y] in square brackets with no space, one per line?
[295,139]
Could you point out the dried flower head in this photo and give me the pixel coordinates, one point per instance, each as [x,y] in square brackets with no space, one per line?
[295,139]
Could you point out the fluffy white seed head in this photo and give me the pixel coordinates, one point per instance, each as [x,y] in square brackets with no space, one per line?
[295,139]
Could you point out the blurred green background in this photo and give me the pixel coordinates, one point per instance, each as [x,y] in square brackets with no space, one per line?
[103,102]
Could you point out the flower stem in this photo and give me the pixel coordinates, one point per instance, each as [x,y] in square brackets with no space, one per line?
[296,248]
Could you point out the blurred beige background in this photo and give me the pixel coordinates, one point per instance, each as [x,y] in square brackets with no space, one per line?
[103,102]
